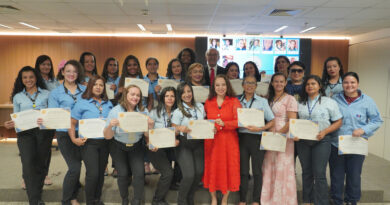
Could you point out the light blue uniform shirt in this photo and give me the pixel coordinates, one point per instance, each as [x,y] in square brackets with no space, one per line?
[197,113]
[258,103]
[332,89]
[152,85]
[323,112]
[51,84]
[114,81]
[162,121]
[361,113]
[126,138]
[59,98]
[21,102]
[89,109]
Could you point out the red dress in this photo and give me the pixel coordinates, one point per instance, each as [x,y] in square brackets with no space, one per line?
[222,154]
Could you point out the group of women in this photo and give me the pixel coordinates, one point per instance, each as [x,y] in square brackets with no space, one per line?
[222,163]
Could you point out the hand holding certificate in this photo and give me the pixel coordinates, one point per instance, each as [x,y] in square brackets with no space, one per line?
[162,138]
[201,93]
[141,83]
[133,122]
[237,86]
[110,93]
[303,129]
[167,83]
[250,117]
[25,120]
[353,145]
[273,141]
[92,128]
[55,118]
[200,129]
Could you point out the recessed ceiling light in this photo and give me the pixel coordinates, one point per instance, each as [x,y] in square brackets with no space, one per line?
[308,29]
[140,26]
[281,28]
[169,27]
[28,25]
[5,26]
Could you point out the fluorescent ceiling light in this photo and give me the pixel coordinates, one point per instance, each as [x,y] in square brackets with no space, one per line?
[140,26]
[5,26]
[169,27]
[281,28]
[28,25]
[308,29]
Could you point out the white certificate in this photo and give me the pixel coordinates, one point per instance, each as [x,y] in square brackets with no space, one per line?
[25,120]
[237,86]
[273,141]
[353,145]
[266,78]
[162,137]
[141,83]
[133,122]
[262,88]
[167,83]
[303,129]
[55,118]
[201,93]
[201,129]
[110,93]
[250,117]
[92,128]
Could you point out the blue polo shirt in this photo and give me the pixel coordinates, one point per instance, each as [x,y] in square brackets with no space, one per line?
[332,89]
[90,108]
[197,113]
[51,84]
[24,101]
[114,81]
[152,85]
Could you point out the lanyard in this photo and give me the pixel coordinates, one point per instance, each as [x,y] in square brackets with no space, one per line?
[33,99]
[311,110]
[167,122]
[274,102]
[74,97]
[99,107]
[196,114]
[250,105]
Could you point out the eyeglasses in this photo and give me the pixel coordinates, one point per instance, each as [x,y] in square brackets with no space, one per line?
[249,83]
[296,70]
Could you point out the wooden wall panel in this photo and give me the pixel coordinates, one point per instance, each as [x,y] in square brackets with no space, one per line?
[18,51]
[322,49]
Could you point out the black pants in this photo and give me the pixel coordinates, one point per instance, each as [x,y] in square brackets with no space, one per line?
[190,156]
[34,146]
[72,156]
[161,162]
[250,148]
[50,135]
[95,157]
[126,159]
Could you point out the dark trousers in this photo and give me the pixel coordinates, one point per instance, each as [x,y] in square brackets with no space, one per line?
[72,156]
[161,162]
[129,159]
[314,156]
[190,156]
[349,167]
[50,135]
[95,157]
[34,146]
[250,148]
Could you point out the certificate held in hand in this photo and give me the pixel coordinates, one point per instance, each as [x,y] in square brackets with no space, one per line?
[132,122]
[25,120]
[353,145]
[92,128]
[237,86]
[167,83]
[110,93]
[250,117]
[262,88]
[55,118]
[141,83]
[303,129]
[201,129]
[273,141]
[201,93]
[162,137]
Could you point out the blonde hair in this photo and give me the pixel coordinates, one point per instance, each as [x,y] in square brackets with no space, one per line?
[125,103]
[190,69]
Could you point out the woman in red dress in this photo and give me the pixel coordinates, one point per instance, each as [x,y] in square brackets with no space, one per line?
[222,154]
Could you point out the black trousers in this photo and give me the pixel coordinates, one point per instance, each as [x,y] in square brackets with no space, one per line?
[190,156]
[72,156]
[34,146]
[129,159]
[161,162]
[95,157]
[250,148]
[50,135]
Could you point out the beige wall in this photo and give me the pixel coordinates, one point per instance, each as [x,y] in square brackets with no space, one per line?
[370,58]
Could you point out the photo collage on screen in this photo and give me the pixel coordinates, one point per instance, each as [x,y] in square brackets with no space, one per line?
[261,50]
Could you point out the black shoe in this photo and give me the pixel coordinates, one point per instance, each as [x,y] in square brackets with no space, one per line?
[162,202]
[99,202]
[136,202]
[125,202]
[40,202]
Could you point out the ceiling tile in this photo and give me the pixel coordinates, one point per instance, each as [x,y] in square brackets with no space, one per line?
[98,8]
[370,14]
[331,13]
[352,3]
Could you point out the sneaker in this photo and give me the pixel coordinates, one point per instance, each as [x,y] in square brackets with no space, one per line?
[114,173]
[106,172]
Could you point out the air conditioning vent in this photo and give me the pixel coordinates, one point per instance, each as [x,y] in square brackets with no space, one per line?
[7,9]
[284,12]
